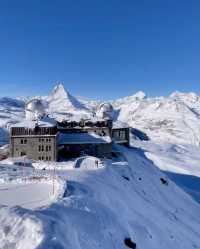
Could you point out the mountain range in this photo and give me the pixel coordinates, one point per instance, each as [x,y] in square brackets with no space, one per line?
[149,196]
[172,119]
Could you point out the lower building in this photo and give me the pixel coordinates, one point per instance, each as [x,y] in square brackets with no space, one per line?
[84,143]
[89,137]
[121,133]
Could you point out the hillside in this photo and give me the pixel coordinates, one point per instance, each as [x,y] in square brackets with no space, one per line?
[104,206]
[131,198]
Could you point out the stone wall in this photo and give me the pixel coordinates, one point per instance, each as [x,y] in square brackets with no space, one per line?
[36,147]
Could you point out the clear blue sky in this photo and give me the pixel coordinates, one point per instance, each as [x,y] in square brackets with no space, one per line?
[99,48]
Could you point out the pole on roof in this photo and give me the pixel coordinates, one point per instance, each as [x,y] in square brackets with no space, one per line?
[54,180]
[24,169]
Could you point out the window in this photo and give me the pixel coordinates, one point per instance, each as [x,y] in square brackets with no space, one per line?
[23,153]
[23,141]
[41,148]
[47,158]
[47,148]
[39,158]
[122,135]
[103,133]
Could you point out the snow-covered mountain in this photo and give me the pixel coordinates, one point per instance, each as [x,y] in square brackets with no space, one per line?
[61,100]
[173,119]
[125,199]
[11,111]
[61,103]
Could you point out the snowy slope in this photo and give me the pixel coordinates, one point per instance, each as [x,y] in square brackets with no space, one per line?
[173,119]
[121,199]
[179,162]
[103,207]
[11,111]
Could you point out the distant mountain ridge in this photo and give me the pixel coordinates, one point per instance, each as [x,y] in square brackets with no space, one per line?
[173,119]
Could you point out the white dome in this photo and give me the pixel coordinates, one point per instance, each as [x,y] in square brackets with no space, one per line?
[34,109]
[105,110]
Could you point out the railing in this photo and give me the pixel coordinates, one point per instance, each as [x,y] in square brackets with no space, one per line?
[84,124]
[21,131]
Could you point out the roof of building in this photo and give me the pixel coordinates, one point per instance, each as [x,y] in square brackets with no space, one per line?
[119,124]
[77,118]
[83,138]
[45,122]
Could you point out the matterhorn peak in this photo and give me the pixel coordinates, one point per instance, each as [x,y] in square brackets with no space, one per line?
[59,91]
[61,100]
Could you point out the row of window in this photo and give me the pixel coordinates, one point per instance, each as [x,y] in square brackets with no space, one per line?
[43,148]
[47,158]
[43,140]
[23,141]
[48,140]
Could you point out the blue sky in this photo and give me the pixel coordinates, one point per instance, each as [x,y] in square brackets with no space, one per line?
[99,49]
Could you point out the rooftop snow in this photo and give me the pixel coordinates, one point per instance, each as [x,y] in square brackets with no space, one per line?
[76,117]
[83,138]
[45,122]
[119,124]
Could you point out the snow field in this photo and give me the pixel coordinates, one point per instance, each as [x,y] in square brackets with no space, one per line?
[31,191]
[103,207]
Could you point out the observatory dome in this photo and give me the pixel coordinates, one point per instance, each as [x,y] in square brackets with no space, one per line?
[105,110]
[34,109]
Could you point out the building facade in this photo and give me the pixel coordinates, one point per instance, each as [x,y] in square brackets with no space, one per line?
[39,137]
[121,133]
[85,137]
[121,136]
[38,143]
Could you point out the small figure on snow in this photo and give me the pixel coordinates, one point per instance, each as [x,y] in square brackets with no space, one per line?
[97,163]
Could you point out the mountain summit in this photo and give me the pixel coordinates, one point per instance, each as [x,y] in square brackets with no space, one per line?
[59,92]
[61,100]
